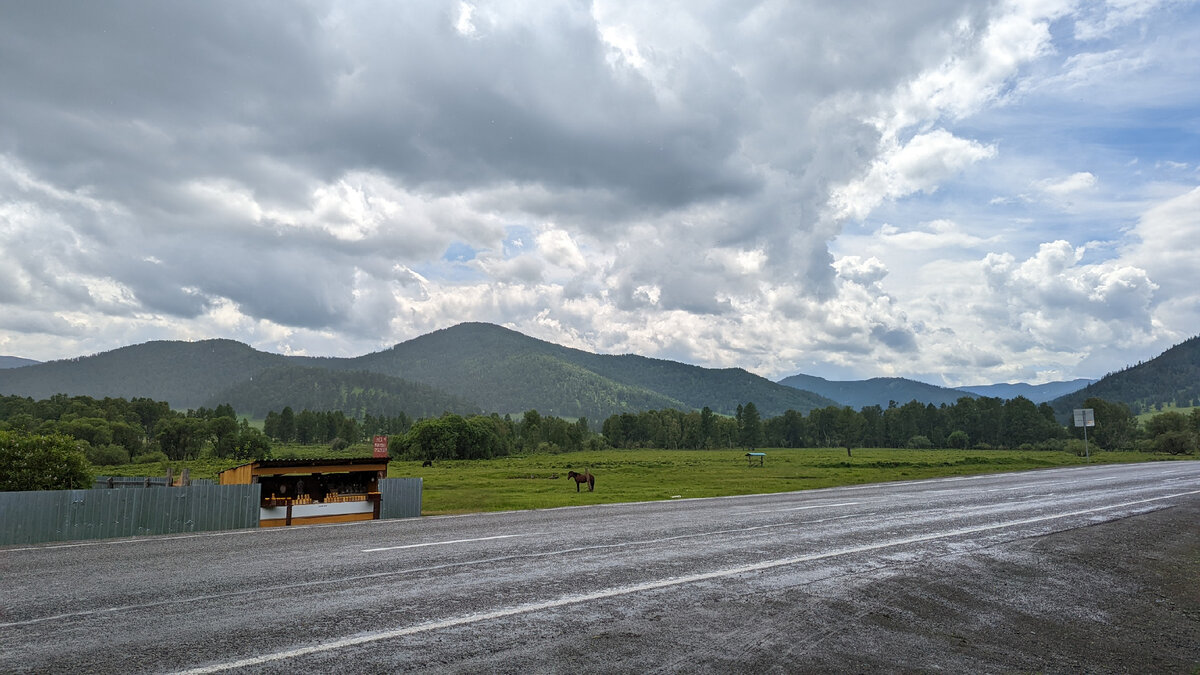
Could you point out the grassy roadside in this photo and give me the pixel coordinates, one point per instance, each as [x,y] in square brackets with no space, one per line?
[540,481]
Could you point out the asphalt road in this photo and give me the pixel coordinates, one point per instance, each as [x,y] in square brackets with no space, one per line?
[754,583]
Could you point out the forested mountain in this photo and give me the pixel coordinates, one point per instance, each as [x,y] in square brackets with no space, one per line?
[505,371]
[878,391]
[1038,393]
[15,362]
[186,374]
[1170,377]
[471,365]
[356,393]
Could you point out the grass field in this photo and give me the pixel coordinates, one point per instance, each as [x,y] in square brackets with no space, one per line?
[540,480]
[1145,417]
[528,482]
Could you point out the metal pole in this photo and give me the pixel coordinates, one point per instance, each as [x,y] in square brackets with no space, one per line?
[1087,454]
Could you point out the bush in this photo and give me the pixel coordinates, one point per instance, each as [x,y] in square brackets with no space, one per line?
[958,440]
[151,457]
[108,455]
[919,442]
[1175,443]
[338,444]
[41,462]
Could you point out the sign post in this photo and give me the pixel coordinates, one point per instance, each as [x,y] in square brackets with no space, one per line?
[1085,417]
[381,446]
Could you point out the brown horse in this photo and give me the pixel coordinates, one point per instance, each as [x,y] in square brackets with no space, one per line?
[581,478]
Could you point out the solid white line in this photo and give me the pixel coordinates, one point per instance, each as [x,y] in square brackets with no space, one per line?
[452,541]
[804,508]
[414,570]
[637,588]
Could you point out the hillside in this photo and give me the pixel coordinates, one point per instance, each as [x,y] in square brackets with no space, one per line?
[506,371]
[1038,393]
[15,362]
[186,374]
[463,368]
[878,391]
[1170,377]
[355,393]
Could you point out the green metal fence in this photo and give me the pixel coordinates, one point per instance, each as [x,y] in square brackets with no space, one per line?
[69,515]
[400,497]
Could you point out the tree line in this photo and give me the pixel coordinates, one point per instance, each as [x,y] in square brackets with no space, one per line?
[981,423]
[71,432]
[119,431]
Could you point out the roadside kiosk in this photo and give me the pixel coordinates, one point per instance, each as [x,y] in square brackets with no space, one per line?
[309,491]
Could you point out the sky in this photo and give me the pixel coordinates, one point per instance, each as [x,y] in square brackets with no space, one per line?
[957,192]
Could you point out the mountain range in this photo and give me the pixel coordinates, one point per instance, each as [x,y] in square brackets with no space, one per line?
[15,362]
[476,367]
[881,391]
[1038,393]
[1171,378]
[465,368]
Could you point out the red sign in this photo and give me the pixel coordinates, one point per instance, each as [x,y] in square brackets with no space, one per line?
[381,446]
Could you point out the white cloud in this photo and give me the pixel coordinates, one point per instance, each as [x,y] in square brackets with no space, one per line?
[1076,182]
[919,165]
[663,179]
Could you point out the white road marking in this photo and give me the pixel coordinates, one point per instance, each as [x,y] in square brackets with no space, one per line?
[804,508]
[410,571]
[451,541]
[332,645]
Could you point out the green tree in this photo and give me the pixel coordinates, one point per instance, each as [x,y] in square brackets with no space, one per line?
[849,427]
[1115,424]
[287,425]
[1166,422]
[751,428]
[36,462]
[181,437]
[224,433]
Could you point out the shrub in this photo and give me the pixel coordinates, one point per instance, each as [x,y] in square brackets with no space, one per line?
[958,440]
[338,444]
[1175,443]
[150,457]
[108,455]
[919,442]
[37,462]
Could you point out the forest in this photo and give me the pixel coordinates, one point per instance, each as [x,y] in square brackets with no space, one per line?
[112,431]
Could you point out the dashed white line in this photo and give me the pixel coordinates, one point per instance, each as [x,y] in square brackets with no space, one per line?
[805,508]
[451,541]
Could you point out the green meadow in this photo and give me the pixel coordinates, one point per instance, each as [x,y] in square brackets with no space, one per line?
[530,482]
[539,481]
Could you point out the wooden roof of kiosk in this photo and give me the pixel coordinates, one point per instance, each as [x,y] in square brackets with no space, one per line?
[246,473]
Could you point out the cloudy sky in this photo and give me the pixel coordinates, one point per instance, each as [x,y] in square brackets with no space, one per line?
[959,192]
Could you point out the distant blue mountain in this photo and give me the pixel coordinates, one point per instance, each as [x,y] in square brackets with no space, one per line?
[1038,393]
[15,362]
[878,391]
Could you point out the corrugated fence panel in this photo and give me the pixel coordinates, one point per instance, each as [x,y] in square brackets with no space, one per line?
[68,515]
[400,497]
